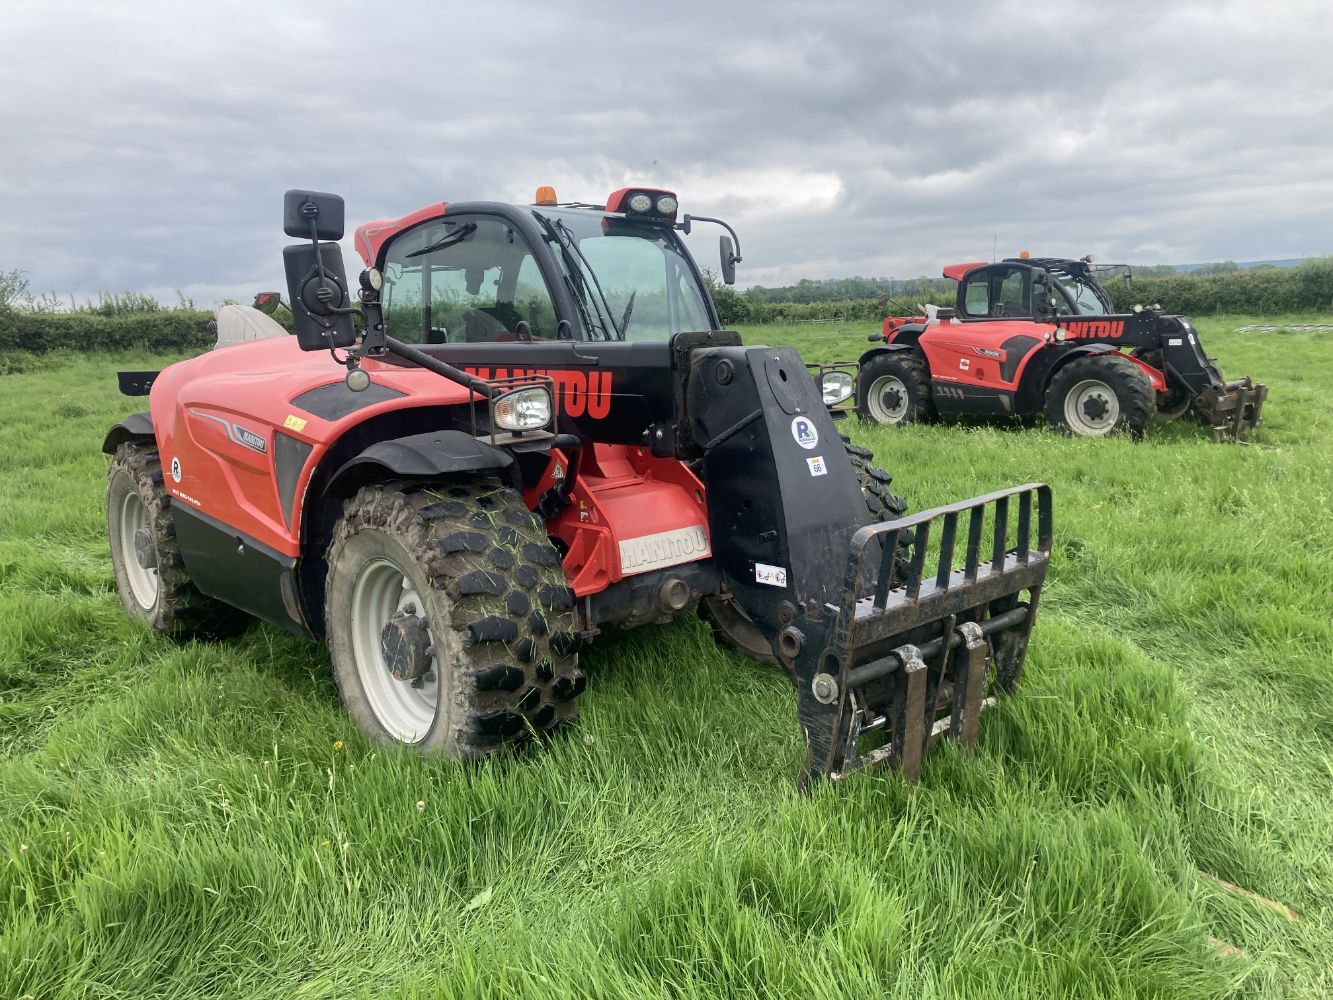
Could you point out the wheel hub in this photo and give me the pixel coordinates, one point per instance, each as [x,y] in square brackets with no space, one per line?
[1094,407]
[405,644]
[145,553]
[887,399]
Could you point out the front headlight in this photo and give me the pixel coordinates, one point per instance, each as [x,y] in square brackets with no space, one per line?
[835,387]
[523,409]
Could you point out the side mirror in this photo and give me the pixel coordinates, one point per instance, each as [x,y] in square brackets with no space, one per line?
[316,279]
[1127,276]
[727,254]
[302,208]
[317,290]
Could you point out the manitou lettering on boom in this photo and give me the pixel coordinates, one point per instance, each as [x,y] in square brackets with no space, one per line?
[1092,329]
[578,392]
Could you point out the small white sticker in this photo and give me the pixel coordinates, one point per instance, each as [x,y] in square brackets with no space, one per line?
[964,363]
[176,469]
[774,576]
[817,466]
[1174,341]
[805,434]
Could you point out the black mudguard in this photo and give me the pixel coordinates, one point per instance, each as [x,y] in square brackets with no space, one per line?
[420,456]
[1042,366]
[137,427]
[875,352]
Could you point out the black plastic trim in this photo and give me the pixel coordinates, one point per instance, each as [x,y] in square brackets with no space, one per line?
[289,458]
[1015,350]
[135,427]
[136,383]
[335,401]
[237,569]
[875,352]
[419,456]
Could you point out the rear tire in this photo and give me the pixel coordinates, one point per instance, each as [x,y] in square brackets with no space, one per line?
[1098,395]
[150,573]
[894,389]
[458,586]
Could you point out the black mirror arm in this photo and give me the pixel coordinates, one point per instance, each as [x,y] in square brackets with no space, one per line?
[689,219]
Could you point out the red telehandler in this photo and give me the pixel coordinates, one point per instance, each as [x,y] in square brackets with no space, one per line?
[521,427]
[1040,335]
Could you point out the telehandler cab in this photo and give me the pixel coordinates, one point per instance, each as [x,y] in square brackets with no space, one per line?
[1039,335]
[523,428]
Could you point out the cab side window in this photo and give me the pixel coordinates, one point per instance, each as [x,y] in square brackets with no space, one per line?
[1012,295]
[464,280]
[976,296]
[997,293]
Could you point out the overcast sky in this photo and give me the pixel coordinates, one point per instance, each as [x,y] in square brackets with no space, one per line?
[147,145]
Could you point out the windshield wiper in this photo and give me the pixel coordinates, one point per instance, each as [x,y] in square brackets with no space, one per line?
[569,246]
[578,292]
[453,239]
[629,308]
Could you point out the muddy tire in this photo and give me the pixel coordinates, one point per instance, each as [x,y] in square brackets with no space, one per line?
[448,618]
[150,574]
[1099,395]
[732,628]
[894,390]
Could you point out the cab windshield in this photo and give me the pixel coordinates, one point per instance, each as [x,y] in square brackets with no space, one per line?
[630,280]
[1087,299]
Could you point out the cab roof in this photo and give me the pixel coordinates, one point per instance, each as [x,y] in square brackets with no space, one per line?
[956,271]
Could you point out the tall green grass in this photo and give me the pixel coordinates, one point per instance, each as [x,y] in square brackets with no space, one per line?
[204,820]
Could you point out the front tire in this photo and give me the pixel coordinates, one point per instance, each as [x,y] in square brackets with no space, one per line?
[894,389]
[1098,395]
[150,573]
[448,618]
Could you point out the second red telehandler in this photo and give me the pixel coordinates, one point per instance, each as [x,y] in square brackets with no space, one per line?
[1039,335]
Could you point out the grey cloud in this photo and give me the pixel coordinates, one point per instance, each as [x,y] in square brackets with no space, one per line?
[148,147]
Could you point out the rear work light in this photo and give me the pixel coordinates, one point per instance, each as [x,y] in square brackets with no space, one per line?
[523,409]
[649,203]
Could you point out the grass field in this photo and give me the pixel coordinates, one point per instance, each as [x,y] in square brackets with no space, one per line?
[203,819]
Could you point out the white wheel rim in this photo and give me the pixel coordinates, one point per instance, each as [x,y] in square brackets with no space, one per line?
[143,581]
[405,709]
[1092,408]
[884,411]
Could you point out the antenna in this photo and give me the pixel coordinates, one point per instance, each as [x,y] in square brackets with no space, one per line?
[994,242]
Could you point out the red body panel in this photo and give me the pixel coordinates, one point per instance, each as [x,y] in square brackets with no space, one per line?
[956,271]
[249,387]
[215,418]
[630,513]
[371,236]
[972,353]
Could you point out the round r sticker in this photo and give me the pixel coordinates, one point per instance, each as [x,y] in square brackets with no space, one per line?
[804,432]
[176,469]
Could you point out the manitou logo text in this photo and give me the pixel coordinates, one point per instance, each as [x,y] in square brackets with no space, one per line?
[1097,328]
[578,392]
[667,548]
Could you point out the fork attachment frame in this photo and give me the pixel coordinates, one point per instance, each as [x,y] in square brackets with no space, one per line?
[911,661]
